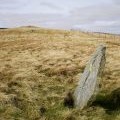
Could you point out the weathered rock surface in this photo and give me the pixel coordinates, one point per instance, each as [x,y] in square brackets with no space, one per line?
[89,84]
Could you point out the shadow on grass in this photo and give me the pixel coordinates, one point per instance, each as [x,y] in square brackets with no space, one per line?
[110,102]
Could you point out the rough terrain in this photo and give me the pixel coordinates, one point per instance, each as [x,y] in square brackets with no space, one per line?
[39,66]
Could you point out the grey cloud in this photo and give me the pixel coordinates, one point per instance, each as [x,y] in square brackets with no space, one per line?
[13,20]
[116,1]
[8,1]
[11,5]
[97,16]
[48,4]
[101,12]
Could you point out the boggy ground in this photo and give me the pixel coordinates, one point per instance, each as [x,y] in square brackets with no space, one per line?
[39,66]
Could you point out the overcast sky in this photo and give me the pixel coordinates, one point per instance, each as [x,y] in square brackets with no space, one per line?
[94,15]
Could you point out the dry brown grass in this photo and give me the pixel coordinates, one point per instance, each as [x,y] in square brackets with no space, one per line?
[38,66]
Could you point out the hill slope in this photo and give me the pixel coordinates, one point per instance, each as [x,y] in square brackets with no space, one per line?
[38,66]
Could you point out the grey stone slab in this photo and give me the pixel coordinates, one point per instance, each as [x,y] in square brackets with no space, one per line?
[89,84]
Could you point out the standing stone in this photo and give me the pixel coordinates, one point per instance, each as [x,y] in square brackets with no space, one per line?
[89,84]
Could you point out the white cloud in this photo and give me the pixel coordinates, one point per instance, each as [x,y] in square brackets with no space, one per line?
[63,14]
